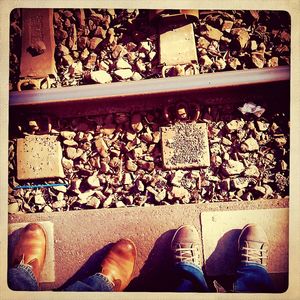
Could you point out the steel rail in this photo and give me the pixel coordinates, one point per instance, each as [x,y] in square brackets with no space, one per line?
[118,90]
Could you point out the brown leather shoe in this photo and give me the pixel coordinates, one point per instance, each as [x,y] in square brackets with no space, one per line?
[186,246]
[118,264]
[253,244]
[31,248]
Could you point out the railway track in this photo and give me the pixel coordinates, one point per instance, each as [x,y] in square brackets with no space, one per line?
[218,96]
[117,134]
[212,82]
[109,138]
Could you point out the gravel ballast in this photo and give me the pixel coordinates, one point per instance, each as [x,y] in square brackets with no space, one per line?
[115,160]
[110,45]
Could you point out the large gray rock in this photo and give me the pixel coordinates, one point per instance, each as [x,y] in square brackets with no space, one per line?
[124,74]
[101,76]
[250,144]
[232,167]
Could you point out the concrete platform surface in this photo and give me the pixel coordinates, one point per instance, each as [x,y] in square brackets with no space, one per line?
[220,232]
[81,238]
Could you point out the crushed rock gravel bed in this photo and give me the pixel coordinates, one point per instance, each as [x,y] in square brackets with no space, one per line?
[115,160]
[110,45]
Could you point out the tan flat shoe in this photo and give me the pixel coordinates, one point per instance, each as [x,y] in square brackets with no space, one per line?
[118,264]
[31,248]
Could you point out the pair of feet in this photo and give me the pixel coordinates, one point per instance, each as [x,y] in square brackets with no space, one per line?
[252,245]
[118,264]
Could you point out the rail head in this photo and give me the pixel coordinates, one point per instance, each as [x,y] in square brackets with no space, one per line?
[208,81]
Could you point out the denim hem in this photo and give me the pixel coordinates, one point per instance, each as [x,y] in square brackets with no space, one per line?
[190,278]
[252,278]
[109,283]
[189,264]
[246,264]
[28,269]
[21,278]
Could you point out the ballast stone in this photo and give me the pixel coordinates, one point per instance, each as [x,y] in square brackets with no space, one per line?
[101,76]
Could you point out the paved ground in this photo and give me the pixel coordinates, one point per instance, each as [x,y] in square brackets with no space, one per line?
[81,238]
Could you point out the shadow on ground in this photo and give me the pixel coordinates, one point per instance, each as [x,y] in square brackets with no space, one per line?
[90,267]
[155,274]
[222,263]
[224,258]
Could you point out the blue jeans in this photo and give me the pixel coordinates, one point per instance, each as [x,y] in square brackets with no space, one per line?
[251,278]
[21,278]
[189,278]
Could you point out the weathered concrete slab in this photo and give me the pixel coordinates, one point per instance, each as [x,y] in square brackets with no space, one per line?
[177,46]
[220,231]
[185,145]
[39,156]
[48,272]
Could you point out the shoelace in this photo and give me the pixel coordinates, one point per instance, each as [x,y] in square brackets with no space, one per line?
[188,254]
[22,262]
[254,254]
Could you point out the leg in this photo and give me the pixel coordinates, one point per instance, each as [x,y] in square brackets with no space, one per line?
[115,270]
[253,278]
[21,278]
[188,260]
[252,275]
[97,282]
[28,259]
[190,278]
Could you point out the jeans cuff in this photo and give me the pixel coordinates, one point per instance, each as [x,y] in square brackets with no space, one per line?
[189,264]
[107,281]
[249,264]
[28,269]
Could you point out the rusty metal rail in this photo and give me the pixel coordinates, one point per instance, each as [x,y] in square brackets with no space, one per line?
[162,86]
